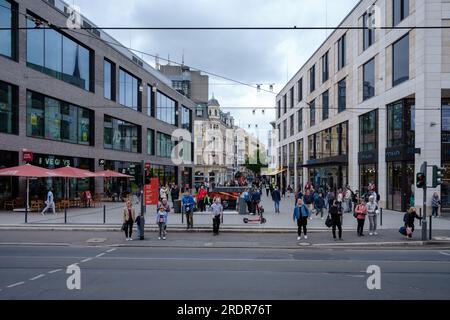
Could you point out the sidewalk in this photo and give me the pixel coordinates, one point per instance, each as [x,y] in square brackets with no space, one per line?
[232,221]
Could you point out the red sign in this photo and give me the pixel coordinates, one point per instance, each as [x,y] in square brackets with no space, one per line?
[27,156]
[151,192]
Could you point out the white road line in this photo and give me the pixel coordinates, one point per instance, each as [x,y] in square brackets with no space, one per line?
[101,254]
[86,260]
[16,284]
[37,277]
[54,271]
[111,250]
[444,253]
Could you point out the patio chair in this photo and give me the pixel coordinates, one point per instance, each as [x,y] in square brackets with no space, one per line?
[35,205]
[9,204]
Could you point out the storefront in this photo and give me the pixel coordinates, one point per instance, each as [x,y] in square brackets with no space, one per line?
[291,179]
[300,161]
[123,185]
[9,186]
[165,174]
[400,155]
[368,150]
[39,187]
[445,141]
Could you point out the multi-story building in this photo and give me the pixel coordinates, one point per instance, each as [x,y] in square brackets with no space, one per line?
[78,97]
[368,99]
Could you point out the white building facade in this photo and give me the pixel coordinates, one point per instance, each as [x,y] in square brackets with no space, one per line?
[363,105]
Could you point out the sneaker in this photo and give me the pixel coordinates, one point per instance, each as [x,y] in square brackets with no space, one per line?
[164,238]
[362,235]
[299,238]
[306,237]
[375,233]
[43,213]
[371,234]
[321,218]
[127,239]
[159,238]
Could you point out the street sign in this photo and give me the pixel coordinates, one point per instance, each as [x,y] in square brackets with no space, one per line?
[151,192]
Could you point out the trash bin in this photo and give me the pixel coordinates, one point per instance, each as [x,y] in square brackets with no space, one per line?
[242,206]
[177,206]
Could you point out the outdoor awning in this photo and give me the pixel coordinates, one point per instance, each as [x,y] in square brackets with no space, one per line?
[70,172]
[111,174]
[272,173]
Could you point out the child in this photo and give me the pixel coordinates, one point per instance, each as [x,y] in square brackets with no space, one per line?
[161,221]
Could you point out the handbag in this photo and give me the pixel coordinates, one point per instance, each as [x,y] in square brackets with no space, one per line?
[328,222]
[124,226]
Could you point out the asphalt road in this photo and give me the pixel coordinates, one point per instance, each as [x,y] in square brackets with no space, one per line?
[39,272]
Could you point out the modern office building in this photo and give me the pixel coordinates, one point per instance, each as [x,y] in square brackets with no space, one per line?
[78,97]
[367,100]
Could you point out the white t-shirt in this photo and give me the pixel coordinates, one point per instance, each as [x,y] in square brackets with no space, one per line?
[216,209]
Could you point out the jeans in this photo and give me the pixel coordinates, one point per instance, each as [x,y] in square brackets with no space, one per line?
[190,219]
[216,224]
[302,222]
[373,222]
[360,228]
[162,229]
[319,211]
[249,206]
[128,229]
[337,223]
[277,206]
[435,211]
[50,205]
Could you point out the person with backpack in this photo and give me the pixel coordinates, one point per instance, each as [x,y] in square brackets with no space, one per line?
[276,197]
[408,219]
[372,212]
[161,221]
[336,219]
[360,215]
[319,204]
[435,204]
[301,214]
[247,198]
[217,211]
[256,199]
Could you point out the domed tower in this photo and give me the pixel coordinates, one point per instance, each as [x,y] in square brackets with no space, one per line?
[213,108]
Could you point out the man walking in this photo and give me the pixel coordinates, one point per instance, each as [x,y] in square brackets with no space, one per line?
[49,202]
[276,197]
[217,211]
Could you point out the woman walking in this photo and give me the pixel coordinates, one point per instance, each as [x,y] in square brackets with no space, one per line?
[361,212]
[301,214]
[129,216]
[336,219]
[435,204]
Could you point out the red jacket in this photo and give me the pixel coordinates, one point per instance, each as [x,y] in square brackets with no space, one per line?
[201,194]
[361,212]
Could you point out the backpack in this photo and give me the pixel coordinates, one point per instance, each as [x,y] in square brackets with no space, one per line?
[378,197]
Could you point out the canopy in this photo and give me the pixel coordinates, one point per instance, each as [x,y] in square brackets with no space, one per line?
[28,171]
[111,174]
[70,172]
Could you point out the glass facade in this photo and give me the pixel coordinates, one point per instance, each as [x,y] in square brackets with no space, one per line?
[369,79]
[312,113]
[164,145]
[284,103]
[445,141]
[325,105]
[284,129]
[9,186]
[300,89]
[368,33]
[285,156]
[368,174]
[401,124]
[53,119]
[109,80]
[166,109]
[123,185]
[151,102]
[368,131]
[121,135]
[300,154]
[400,61]
[328,143]
[300,120]
[400,11]
[325,67]
[312,78]
[55,54]
[165,174]
[291,97]
[8,20]
[186,118]
[8,108]
[342,52]
[342,95]
[129,90]
[401,185]
[150,142]
[291,125]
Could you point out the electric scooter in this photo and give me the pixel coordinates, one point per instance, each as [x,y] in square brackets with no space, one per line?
[259,219]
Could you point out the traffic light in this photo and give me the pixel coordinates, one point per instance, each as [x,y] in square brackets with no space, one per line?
[438,175]
[421,180]
[147,176]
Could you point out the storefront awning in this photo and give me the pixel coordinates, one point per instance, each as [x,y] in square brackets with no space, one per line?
[269,172]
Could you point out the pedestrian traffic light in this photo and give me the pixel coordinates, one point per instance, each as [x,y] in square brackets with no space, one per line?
[147,176]
[421,180]
[438,175]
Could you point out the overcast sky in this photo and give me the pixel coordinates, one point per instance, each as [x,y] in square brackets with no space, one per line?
[254,57]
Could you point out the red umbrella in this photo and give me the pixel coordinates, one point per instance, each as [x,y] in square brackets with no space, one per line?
[111,174]
[28,171]
[70,172]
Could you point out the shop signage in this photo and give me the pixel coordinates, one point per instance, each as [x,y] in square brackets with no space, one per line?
[51,161]
[151,192]
[27,156]
[368,157]
[401,153]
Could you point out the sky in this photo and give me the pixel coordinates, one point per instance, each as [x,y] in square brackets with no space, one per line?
[253,56]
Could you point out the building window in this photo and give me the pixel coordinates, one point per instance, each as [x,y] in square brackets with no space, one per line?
[369,79]
[312,79]
[300,89]
[150,142]
[368,131]
[285,159]
[400,11]
[291,96]
[312,113]
[342,49]
[285,103]
[300,152]
[121,135]
[186,121]
[109,80]
[8,108]
[325,68]
[291,123]
[53,119]
[400,61]
[368,32]
[164,145]
[8,20]
[401,124]
[284,129]
[300,120]
[279,109]
[150,101]
[342,95]
[130,90]
[166,109]
[325,105]
[279,132]
[292,155]
[53,53]
[328,143]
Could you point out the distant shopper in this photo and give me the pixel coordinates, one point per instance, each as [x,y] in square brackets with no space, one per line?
[163,191]
[301,214]
[49,203]
[276,197]
[175,194]
[435,204]
[336,219]
[283,191]
[256,199]
[200,198]
[408,219]
[161,221]
[330,198]
[247,198]
[319,204]
[360,213]
[267,186]
[129,216]
[188,204]
[217,211]
[207,202]
[372,212]
[308,198]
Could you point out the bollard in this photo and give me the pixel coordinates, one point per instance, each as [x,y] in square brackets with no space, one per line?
[26,213]
[420,220]
[65,215]
[104,214]
[381,217]
[182,214]
[431,234]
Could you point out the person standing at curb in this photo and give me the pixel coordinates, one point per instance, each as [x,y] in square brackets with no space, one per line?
[50,203]
[161,221]
[336,219]
[129,215]
[200,198]
[276,197]
[188,203]
[372,212]
[175,194]
[435,204]
[301,214]
[360,213]
[256,199]
[217,211]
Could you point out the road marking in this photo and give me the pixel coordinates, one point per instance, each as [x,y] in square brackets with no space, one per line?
[54,271]
[16,284]
[101,254]
[37,277]
[444,253]
[111,250]
[86,260]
